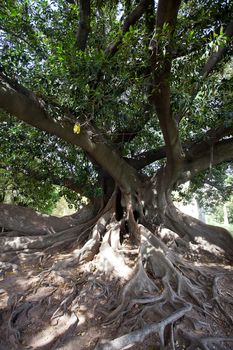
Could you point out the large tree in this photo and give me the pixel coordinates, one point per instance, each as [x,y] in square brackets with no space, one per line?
[130,99]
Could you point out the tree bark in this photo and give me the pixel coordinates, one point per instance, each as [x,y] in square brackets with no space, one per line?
[16,218]
[84,24]
[195,230]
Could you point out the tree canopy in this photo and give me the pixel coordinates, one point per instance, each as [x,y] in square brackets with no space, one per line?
[92,66]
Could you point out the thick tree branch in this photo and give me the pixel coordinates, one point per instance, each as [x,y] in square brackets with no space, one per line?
[84,23]
[131,19]
[161,65]
[148,157]
[211,138]
[221,152]
[191,147]
[217,56]
[25,106]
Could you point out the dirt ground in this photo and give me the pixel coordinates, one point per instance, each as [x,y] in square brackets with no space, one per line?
[45,310]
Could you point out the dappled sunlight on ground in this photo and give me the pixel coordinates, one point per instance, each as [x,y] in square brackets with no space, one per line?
[50,318]
[54,330]
[66,309]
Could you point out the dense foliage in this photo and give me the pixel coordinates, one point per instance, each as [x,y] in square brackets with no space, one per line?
[106,89]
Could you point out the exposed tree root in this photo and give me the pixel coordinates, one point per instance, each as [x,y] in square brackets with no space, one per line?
[13,332]
[140,281]
[196,230]
[136,337]
[205,343]
[175,288]
[162,293]
[90,248]
[219,299]
[27,220]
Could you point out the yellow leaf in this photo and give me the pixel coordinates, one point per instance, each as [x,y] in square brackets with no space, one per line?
[9,273]
[77,128]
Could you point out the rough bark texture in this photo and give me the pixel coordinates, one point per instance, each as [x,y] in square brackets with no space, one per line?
[30,222]
[195,230]
[84,24]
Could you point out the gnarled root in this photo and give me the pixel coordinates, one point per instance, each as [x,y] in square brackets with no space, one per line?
[136,337]
[197,231]
[90,248]
[163,296]
[206,343]
[163,283]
